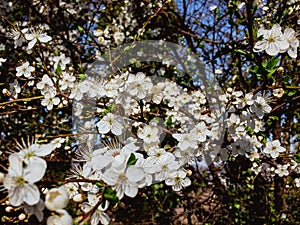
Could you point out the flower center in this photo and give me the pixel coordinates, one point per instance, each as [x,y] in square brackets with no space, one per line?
[110,121]
[29,154]
[271,39]
[20,181]
[164,167]
[122,177]
[177,179]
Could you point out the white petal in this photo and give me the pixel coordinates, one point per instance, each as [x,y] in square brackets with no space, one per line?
[272,49]
[29,37]
[276,30]
[186,182]
[35,170]
[183,145]
[292,52]
[104,218]
[289,33]
[110,177]
[284,45]
[50,106]
[15,165]
[56,101]
[116,128]
[103,127]
[31,194]
[15,196]
[131,191]
[260,46]
[178,137]
[176,187]
[31,43]
[294,44]
[170,181]
[44,150]
[85,207]
[44,38]
[134,174]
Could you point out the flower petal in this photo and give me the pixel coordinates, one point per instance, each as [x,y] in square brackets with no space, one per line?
[272,49]
[15,165]
[35,170]
[292,52]
[260,46]
[31,194]
[15,196]
[130,191]
[31,43]
[103,127]
[134,174]
[44,150]
[44,38]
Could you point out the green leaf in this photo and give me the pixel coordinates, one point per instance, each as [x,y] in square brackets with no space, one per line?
[82,76]
[132,160]
[272,63]
[286,80]
[291,93]
[264,64]
[167,147]
[297,158]
[99,184]
[237,205]
[273,118]
[111,108]
[111,195]
[240,51]
[81,29]
[169,121]
[58,69]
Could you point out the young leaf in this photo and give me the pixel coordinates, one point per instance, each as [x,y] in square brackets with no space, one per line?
[132,160]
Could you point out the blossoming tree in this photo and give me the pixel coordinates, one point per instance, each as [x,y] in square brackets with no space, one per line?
[185,111]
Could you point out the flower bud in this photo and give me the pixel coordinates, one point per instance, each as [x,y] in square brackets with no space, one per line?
[78,198]
[1,177]
[9,209]
[22,217]
[62,217]
[57,198]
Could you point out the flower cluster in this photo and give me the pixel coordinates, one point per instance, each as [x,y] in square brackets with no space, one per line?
[141,128]
[26,167]
[274,41]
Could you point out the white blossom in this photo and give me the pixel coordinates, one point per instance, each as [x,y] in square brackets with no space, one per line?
[149,134]
[178,180]
[99,215]
[35,36]
[67,81]
[273,148]
[19,181]
[290,35]
[62,217]
[108,123]
[187,140]
[260,107]
[62,61]
[57,198]
[25,69]
[278,92]
[36,209]
[281,170]
[124,180]
[273,41]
